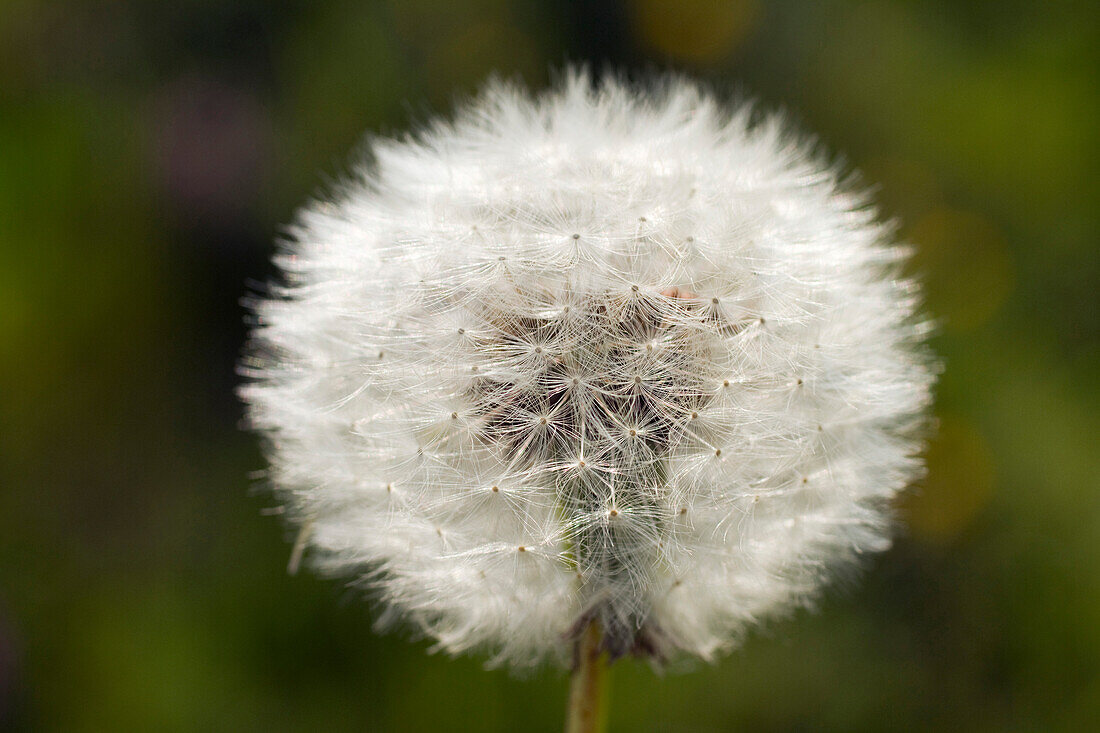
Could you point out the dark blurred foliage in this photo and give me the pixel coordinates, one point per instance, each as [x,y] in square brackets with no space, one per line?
[150,153]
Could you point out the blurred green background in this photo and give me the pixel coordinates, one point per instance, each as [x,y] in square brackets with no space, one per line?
[149,154]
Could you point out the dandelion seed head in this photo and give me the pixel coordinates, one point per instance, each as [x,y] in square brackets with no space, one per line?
[675,348]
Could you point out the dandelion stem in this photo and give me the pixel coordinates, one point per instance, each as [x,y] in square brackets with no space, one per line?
[586,713]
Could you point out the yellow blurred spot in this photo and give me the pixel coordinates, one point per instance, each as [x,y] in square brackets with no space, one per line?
[15,317]
[462,61]
[903,188]
[965,266]
[695,31]
[959,482]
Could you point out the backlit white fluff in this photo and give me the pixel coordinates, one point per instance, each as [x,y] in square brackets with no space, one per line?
[603,354]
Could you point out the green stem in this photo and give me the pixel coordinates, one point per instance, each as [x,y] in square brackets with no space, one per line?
[586,713]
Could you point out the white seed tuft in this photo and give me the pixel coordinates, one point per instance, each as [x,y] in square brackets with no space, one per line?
[729,334]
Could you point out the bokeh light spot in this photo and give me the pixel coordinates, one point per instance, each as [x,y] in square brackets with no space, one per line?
[965,265]
[959,482]
[695,31]
[902,187]
[462,61]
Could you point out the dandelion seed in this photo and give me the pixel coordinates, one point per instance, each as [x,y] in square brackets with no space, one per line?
[596,428]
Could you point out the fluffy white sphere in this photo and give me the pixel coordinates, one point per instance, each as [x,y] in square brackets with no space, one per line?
[604,354]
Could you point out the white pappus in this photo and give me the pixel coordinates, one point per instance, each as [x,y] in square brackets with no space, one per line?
[606,354]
